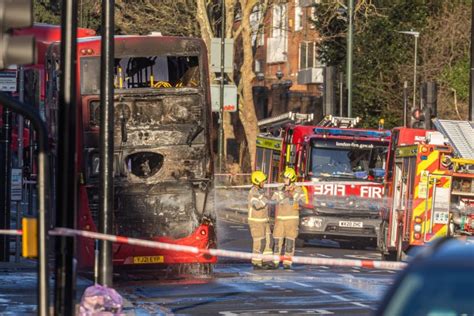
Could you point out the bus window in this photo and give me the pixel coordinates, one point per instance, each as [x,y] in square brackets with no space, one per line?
[143,72]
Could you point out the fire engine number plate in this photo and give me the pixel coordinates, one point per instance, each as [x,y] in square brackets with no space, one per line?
[351,224]
[148,259]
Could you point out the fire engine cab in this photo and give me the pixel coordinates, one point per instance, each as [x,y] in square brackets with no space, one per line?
[340,166]
[429,193]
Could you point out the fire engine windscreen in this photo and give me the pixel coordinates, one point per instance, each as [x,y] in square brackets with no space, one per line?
[143,72]
[359,160]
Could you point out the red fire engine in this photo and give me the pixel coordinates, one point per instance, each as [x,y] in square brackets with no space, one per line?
[341,167]
[428,192]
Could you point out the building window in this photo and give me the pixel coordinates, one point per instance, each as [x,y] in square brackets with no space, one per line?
[308,55]
[298,16]
[256,24]
[277,45]
[279,21]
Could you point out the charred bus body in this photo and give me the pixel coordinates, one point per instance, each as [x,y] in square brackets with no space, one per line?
[163,162]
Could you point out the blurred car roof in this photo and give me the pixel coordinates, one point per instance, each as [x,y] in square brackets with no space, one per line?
[446,252]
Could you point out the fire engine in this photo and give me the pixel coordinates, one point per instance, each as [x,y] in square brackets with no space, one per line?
[428,192]
[340,166]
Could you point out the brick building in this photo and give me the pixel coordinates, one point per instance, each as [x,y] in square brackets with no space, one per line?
[289,74]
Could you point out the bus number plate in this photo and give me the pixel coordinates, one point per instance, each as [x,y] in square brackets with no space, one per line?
[148,259]
[351,224]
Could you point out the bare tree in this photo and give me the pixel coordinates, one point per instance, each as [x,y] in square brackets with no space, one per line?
[241,32]
[170,17]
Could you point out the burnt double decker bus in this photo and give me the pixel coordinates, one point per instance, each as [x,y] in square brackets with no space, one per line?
[163,162]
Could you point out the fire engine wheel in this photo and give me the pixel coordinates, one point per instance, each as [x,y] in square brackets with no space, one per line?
[300,243]
[382,244]
[400,254]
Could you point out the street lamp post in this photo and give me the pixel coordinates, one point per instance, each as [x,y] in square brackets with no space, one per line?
[416,35]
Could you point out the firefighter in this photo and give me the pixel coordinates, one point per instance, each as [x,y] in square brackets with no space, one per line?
[288,199]
[258,219]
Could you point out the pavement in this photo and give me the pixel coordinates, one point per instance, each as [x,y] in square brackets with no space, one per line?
[18,289]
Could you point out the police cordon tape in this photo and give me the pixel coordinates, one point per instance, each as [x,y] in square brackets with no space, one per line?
[382,265]
[11,232]
[306,184]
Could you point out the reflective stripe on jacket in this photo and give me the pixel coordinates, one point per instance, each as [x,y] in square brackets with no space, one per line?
[257,205]
[288,199]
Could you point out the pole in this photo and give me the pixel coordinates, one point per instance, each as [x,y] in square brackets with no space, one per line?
[5,178]
[341,94]
[106,186]
[31,151]
[414,71]
[19,207]
[471,78]
[66,196]
[405,104]
[221,101]
[350,36]
[43,197]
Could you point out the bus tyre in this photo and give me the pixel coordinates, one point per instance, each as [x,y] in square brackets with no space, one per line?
[300,243]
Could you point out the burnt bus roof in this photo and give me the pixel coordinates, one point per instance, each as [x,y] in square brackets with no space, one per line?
[143,45]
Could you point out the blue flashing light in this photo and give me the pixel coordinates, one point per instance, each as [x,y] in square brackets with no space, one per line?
[353,133]
[424,157]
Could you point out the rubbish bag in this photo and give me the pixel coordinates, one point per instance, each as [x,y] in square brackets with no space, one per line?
[100,300]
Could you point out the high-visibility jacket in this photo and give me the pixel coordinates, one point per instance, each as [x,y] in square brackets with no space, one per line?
[257,205]
[288,200]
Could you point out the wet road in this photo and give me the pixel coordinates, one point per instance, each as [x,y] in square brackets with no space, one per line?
[236,289]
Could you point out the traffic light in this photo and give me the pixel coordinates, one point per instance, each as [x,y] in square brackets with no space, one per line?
[418,119]
[16,50]
[421,118]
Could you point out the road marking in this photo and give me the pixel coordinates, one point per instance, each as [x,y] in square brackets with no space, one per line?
[236,226]
[346,275]
[250,273]
[338,297]
[301,284]
[354,270]
[323,312]
[360,304]
[323,255]
[324,267]
[322,291]
[242,229]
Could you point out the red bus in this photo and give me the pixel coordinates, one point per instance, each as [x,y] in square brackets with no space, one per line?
[35,76]
[163,162]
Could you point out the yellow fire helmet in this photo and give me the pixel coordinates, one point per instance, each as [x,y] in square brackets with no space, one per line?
[258,177]
[290,173]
